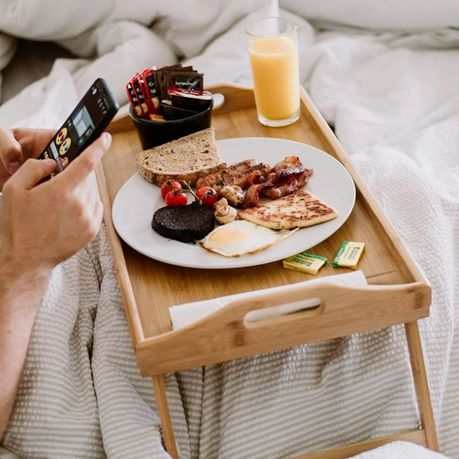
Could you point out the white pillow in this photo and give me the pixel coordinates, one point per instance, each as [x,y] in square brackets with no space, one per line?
[189,25]
[7,49]
[407,15]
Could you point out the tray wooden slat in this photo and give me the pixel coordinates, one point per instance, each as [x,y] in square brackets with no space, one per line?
[226,335]
[152,287]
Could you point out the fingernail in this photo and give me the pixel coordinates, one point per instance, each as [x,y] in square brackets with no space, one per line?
[13,167]
[106,139]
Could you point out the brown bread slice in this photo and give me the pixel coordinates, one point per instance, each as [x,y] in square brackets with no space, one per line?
[296,210]
[186,158]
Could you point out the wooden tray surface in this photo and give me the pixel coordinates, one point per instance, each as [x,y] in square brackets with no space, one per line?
[150,287]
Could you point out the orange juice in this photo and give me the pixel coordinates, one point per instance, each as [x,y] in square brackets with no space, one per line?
[274,61]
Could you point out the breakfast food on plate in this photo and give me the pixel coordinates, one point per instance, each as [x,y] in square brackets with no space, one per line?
[234,194]
[184,223]
[241,237]
[207,195]
[286,177]
[259,179]
[241,174]
[299,209]
[224,213]
[184,159]
[192,167]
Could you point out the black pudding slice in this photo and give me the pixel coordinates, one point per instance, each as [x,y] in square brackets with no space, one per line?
[184,223]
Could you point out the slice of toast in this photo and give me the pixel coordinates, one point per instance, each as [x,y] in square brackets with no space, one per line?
[296,210]
[186,158]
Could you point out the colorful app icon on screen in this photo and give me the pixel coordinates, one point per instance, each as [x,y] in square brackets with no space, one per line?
[64,148]
[62,134]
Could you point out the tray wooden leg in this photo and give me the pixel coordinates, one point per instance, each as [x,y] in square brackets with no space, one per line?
[425,436]
[165,416]
[421,384]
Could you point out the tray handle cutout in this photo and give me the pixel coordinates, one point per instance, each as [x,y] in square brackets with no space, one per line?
[309,307]
[226,334]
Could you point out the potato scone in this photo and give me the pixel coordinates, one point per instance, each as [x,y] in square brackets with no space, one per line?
[186,158]
[296,210]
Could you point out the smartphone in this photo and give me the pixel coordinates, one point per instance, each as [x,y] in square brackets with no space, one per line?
[84,125]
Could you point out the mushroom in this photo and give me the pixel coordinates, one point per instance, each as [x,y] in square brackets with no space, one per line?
[233,194]
[223,212]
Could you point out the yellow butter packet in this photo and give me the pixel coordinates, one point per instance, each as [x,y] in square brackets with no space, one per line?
[349,254]
[305,262]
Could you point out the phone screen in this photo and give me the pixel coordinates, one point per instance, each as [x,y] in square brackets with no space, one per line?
[87,121]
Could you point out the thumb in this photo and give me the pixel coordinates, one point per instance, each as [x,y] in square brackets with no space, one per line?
[31,172]
[10,151]
[82,166]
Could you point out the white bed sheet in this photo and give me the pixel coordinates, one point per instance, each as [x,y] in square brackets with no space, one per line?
[394,104]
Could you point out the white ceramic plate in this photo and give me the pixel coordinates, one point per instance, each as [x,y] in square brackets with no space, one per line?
[137,200]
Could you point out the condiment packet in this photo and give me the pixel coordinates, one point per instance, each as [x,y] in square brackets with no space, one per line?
[137,83]
[305,262]
[132,97]
[349,254]
[169,93]
[149,90]
[179,77]
[190,99]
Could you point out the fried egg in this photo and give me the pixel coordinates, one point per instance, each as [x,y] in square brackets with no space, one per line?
[241,237]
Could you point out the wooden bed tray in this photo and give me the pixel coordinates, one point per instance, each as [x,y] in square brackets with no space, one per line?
[398,292]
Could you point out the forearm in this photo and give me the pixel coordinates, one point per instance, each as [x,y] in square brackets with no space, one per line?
[20,295]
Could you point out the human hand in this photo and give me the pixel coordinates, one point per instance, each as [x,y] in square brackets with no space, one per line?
[18,145]
[42,224]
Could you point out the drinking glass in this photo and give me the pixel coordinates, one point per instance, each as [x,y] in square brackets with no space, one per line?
[273,50]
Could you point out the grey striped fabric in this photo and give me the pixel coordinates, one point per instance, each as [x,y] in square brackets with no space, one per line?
[81,395]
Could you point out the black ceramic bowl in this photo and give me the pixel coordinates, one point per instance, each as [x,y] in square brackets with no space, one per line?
[153,133]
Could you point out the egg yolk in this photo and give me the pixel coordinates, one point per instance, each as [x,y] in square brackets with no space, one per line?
[225,235]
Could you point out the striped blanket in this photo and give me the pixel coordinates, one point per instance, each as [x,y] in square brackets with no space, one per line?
[391,98]
[82,396]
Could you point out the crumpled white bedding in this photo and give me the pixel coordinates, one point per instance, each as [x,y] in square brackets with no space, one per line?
[399,450]
[393,101]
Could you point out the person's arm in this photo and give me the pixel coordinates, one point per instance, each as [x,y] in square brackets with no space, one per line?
[41,225]
[20,293]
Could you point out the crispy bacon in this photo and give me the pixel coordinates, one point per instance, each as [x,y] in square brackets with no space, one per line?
[217,179]
[287,185]
[253,194]
[291,163]
[256,176]
[242,174]
[286,177]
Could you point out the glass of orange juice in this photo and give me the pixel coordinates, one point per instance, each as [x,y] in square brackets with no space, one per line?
[273,51]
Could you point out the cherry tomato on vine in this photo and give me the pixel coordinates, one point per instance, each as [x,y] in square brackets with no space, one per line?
[201,191]
[207,195]
[176,198]
[169,185]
